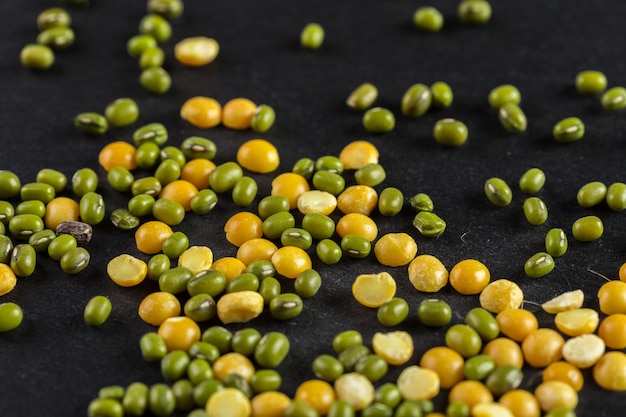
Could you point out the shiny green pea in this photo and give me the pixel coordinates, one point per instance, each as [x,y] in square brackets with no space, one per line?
[244,191]
[299,408]
[23,226]
[483,322]
[75,260]
[199,370]
[203,391]
[147,185]
[429,224]
[304,167]
[416,100]
[373,367]
[6,248]
[569,129]
[3,229]
[205,351]
[198,147]
[35,207]
[53,17]
[388,394]
[590,82]
[261,268]
[556,242]
[245,341]
[152,58]
[265,380]
[434,313]
[329,181]
[346,339]
[450,132]
[152,346]
[121,112]
[169,9]
[512,118]
[263,118]
[111,391]
[169,169]
[37,191]
[175,280]
[312,36]
[504,378]
[156,26]
[272,204]
[614,99]
[393,312]
[308,283]
[124,219]
[532,181]
[328,251]
[141,205]
[409,408]
[92,208]
[390,201]
[152,132]
[175,245]
[478,367]
[504,94]
[174,365]
[39,240]
[59,37]
[356,246]
[9,184]
[428,19]
[362,97]
[535,211]
[269,289]
[203,202]
[442,95]
[474,11]
[243,282]
[351,355]
[120,179]
[616,196]
[224,177]
[539,265]
[52,177]
[588,228]
[329,163]
[327,367]
[271,350]
[135,400]
[97,310]
[91,123]
[296,237]
[237,381]
[60,245]
[107,407]
[498,192]
[341,408]
[463,339]
[286,306]
[155,79]
[277,223]
[210,282]
[200,307]
[379,120]
[591,194]
[377,410]
[560,412]
[37,57]
[319,226]
[457,409]
[11,316]
[157,265]
[137,44]
[422,202]
[371,174]
[147,155]
[161,400]
[172,152]
[23,260]
[84,180]
[168,211]
[218,336]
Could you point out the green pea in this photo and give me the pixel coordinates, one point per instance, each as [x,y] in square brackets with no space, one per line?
[97,310]
[199,370]
[147,155]
[556,242]
[156,26]
[588,228]
[422,202]
[512,117]
[244,191]
[362,97]
[457,409]
[237,381]
[205,351]
[243,282]
[428,19]
[591,194]
[224,177]
[312,36]
[135,400]
[155,79]
[174,365]
[161,400]
[328,251]
[329,163]
[429,224]
[277,223]
[327,367]
[569,129]
[304,167]
[346,339]
[294,236]
[504,378]
[539,265]
[112,391]
[124,219]
[6,248]
[210,282]
[434,313]
[53,17]
[373,367]
[3,229]
[379,120]
[152,57]
[37,191]
[34,207]
[377,410]
[263,118]
[175,245]
[152,346]
[121,112]
[204,201]
[340,408]
[560,412]
[329,181]
[137,44]
[286,306]
[218,336]
[356,246]
[91,123]
[105,407]
[318,225]
[23,226]
[141,205]
[269,289]
[498,192]
[590,82]
[52,177]
[474,11]
[169,9]
[532,181]
[351,355]
[299,408]
[37,57]
[271,350]
[75,260]
[60,245]
[409,408]
[168,170]
[38,240]
[416,100]
[147,185]
[450,132]
[390,201]
[168,211]
[478,367]
[59,37]
[371,174]
[84,180]
[504,94]
[393,312]
[463,339]
[157,265]
[172,152]
[388,394]
[308,283]
[272,204]
[10,184]
[203,391]
[11,316]
[245,341]
[483,322]
[614,99]
[152,132]
[442,95]
[535,211]
[616,196]
[197,147]
[92,208]
[265,380]
[175,280]
[261,268]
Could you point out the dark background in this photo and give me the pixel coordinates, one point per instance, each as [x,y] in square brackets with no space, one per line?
[54,363]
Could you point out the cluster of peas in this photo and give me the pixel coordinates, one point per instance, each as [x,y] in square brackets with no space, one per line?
[475,12]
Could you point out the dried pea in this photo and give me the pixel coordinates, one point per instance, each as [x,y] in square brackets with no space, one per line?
[450,132]
[539,265]
[308,283]
[23,226]
[52,17]
[91,123]
[379,120]
[535,211]
[556,242]
[37,57]
[587,228]
[356,246]
[10,184]
[304,167]
[263,118]
[504,94]
[498,192]
[151,132]
[312,36]
[271,350]
[97,310]
[616,196]
[244,191]
[286,306]
[429,224]
[75,260]
[84,180]
[428,19]
[532,181]
[416,100]
[512,117]
[92,208]
[39,241]
[362,97]
[614,99]
[37,191]
[328,251]
[591,194]
[23,260]
[590,82]
[442,95]
[124,219]
[569,129]
[390,201]
[474,11]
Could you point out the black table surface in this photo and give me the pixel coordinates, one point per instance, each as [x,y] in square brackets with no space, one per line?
[55,364]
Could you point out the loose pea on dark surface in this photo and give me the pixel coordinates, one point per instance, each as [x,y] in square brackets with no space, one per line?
[199,369]
[244,341]
[7,211]
[362,97]
[474,11]
[6,248]
[52,17]
[590,82]
[175,244]
[532,181]
[286,306]
[152,132]
[320,226]
[274,225]
[434,312]
[512,118]
[203,391]
[210,282]
[220,337]
[175,280]
[11,316]
[535,211]
[308,283]
[556,242]
[245,191]
[272,204]
[539,265]
[504,94]
[616,196]
[296,237]
[55,178]
[269,289]
[356,246]
[483,322]
[111,391]
[390,201]
[153,57]
[329,163]
[174,365]
[36,207]
[261,268]
[304,167]
[84,180]
[108,407]
[393,312]
[58,37]
[614,99]
[198,147]
[328,251]
[504,378]
[243,282]
[23,226]
[204,201]
[478,367]
[204,350]
[271,349]
[327,367]
[124,219]
[157,265]
[428,19]
[416,100]
[155,79]
[137,44]
[39,240]
[450,132]
[168,211]
[442,95]
[429,224]
[152,346]
[587,228]
[498,192]
[341,408]
[147,155]
[121,112]
[299,408]
[75,261]
[388,394]
[351,355]
[97,310]
[312,36]
[373,367]
[422,202]
[235,380]
[371,174]
[92,208]
[91,123]
[60,245]
[10,184]
[345,339]
[379,120]
[135,400]
[161,400]
[463,339]
[169,9]
[263,118]
[37,191]
[591,194]
[146,185]
[141,205]
[157,26]
[37,57]
[569,129]
[224,177]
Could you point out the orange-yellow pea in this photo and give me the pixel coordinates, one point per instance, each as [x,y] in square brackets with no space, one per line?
[447,363]
[318,394]
[291,261]
[610,371]
[233,363]
[60,209]
[181,191]
[155,308]
[516,323]
[150,236]
[256,249]
[395,249]
[521,403]
[243,226]
[542,347]
[8,280]
[612,297]
[196,51]
[358,199]
[237,113]
[118,154]
[564,372]
[202,112]
[229,266]
[291,186]
[612,330]
[470,393]
[179,333]
[258,155]
[269,404]
[357,224]
[504,351]
[197,172]
[622,272]
[469,276]
[357,154]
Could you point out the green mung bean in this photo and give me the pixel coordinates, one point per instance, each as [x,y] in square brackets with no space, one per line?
[198,147]
[97,310]
[312,36]
[238,382]
[243,282]
[327,367]
[450,132]
[362,97]
[428,19]
[245,191]
[556,242]
[590,82]
[388,394]
[372,366]
[7,211]
[23,226]
[569,129]
[152,58]
[161,400]
[277,223]
[91,123]
[299,408]
[120,179]
[616,196]
[535,211]
[60,245]
[156,26]
[55,178]
[210,282]
[155,79]
[81,231]
[175,245]
[147,155]
[53,17]
[152,346]
[112,391]
[269,289]
[442,95]
[135,400]
[532,181]
[263,118]
[504,378]
[308,283]
[483,322]
[146,185]
[137,44]
[370,174]
[108,407]
[37,57]
[204,201]
[75,260]
[220,337]
[199,370]
[11,316]
[377,410]
[10,184]
[346,339]
[183,395]
[157,265]
[121,112]
[498,192]
[286,306]
[59,37]
[512,118]
[37,191]
[478,367]
[294,236]
[92,208]
[416,100]
[379,120]
[152,132]
[174,365]
[272,204]
[23,260]
[224,177]
[168,211]
[329,163]
[341,408]
[329,181]
[265,380]
[169,9]
[84,180]
[203,391]
[244,341]
[390,201]
[319,226]
[167,171]
[39,240]
[474,11]
[271,350]
[463,339]
[587,228]
[614,99]
[434,312]
[175,280]
[35,207]
[393,312]
[328,251]
[141,205]
[539,265]
[304,167]
[429,224]
[356,246]
[261,268]
[591,194]
[6,248]
[351,355]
